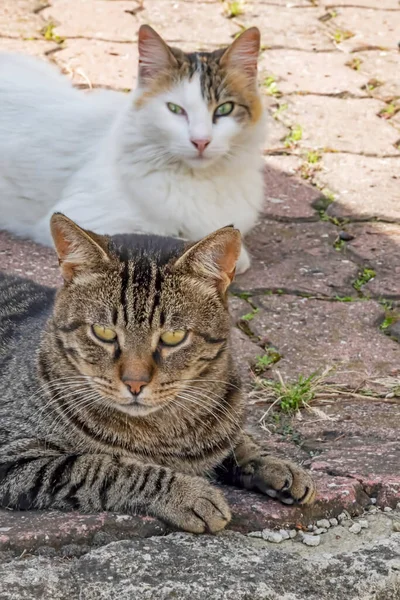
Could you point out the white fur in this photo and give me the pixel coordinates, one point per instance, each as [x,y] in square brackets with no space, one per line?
[113,168]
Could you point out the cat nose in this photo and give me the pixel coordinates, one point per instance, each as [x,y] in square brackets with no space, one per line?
[201,145]
[135,386]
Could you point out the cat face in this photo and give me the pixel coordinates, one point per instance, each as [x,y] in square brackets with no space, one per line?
[198,108]
[143,324]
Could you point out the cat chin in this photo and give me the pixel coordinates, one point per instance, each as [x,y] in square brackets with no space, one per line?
[201,163]
[137,410]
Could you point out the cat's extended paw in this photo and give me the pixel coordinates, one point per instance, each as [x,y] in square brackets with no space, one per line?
[283,480]
[196,506]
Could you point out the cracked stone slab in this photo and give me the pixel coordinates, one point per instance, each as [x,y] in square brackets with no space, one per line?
[287,196]
[384,67]
[367,187]
[312,335]
[190,25]
[288,26]
[375,467]
[227,566]
[378,246]
[340,125]
[93,19]
[39,48]
[106,64]
[30,532]
[297,256]
[24,258]
[373,28]
[311,72]
[389,5]
[17,19]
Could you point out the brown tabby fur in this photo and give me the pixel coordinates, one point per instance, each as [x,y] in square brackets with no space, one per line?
[72,435]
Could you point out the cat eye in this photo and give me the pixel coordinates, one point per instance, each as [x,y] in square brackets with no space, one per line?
[177,110]
[104,333]
[224,110]
[173,338]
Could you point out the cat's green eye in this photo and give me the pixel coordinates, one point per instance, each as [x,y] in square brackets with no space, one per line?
[224,109]
[177,110]
[173,338]
[105,334]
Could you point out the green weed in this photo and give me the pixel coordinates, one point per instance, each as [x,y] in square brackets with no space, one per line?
[271,86]
[264,362]
[354,63]
[234,9]
[295,135]
[49,35]
[363,278]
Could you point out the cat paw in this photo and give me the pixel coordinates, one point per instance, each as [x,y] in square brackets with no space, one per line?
[195,506]
[283,480]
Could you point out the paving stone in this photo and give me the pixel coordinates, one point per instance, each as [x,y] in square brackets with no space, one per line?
[98,19]
[311,72]
[375,467]
[27,259]
[38,48]
[384,67]
[378,246]
[288,197]
[298,257]
[228,566]
[367,187]
[27,531]
[23,531]
[106,64]
[332,123]
[289,27]
[189,25]
[389,5]
[17,19]
[312,335]
[374,27]
[275,133]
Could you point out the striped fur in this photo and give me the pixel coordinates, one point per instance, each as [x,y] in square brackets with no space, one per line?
[70,438]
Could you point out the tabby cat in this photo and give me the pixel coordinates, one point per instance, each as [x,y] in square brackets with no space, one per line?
[119,391]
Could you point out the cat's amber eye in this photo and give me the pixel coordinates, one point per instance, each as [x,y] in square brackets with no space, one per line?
[173,338]
[177,110]
[105,334]
[224,110]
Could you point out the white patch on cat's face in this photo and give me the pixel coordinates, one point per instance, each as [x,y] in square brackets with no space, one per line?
[173,132]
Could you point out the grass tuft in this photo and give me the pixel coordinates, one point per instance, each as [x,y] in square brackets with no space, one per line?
[363,278]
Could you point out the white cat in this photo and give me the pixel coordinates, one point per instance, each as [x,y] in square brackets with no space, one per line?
[179,156]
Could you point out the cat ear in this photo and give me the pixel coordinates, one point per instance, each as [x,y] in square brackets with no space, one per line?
[243,52]
[79,251]
[154,54]
[214,257]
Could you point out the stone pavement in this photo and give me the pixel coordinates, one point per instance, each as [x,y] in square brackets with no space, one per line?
[323,293]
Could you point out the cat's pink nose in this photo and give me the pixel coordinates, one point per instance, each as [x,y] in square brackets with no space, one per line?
[135,386]
[201,145]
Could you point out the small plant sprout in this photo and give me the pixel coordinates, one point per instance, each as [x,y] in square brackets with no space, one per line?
[266,360]
[233,9]
[281,108]
[48,33]
[271,87]
[363,277]
[340,35]
[295,135]
[355,63]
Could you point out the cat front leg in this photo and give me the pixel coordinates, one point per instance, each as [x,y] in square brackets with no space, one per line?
[35,479]
[252,468]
